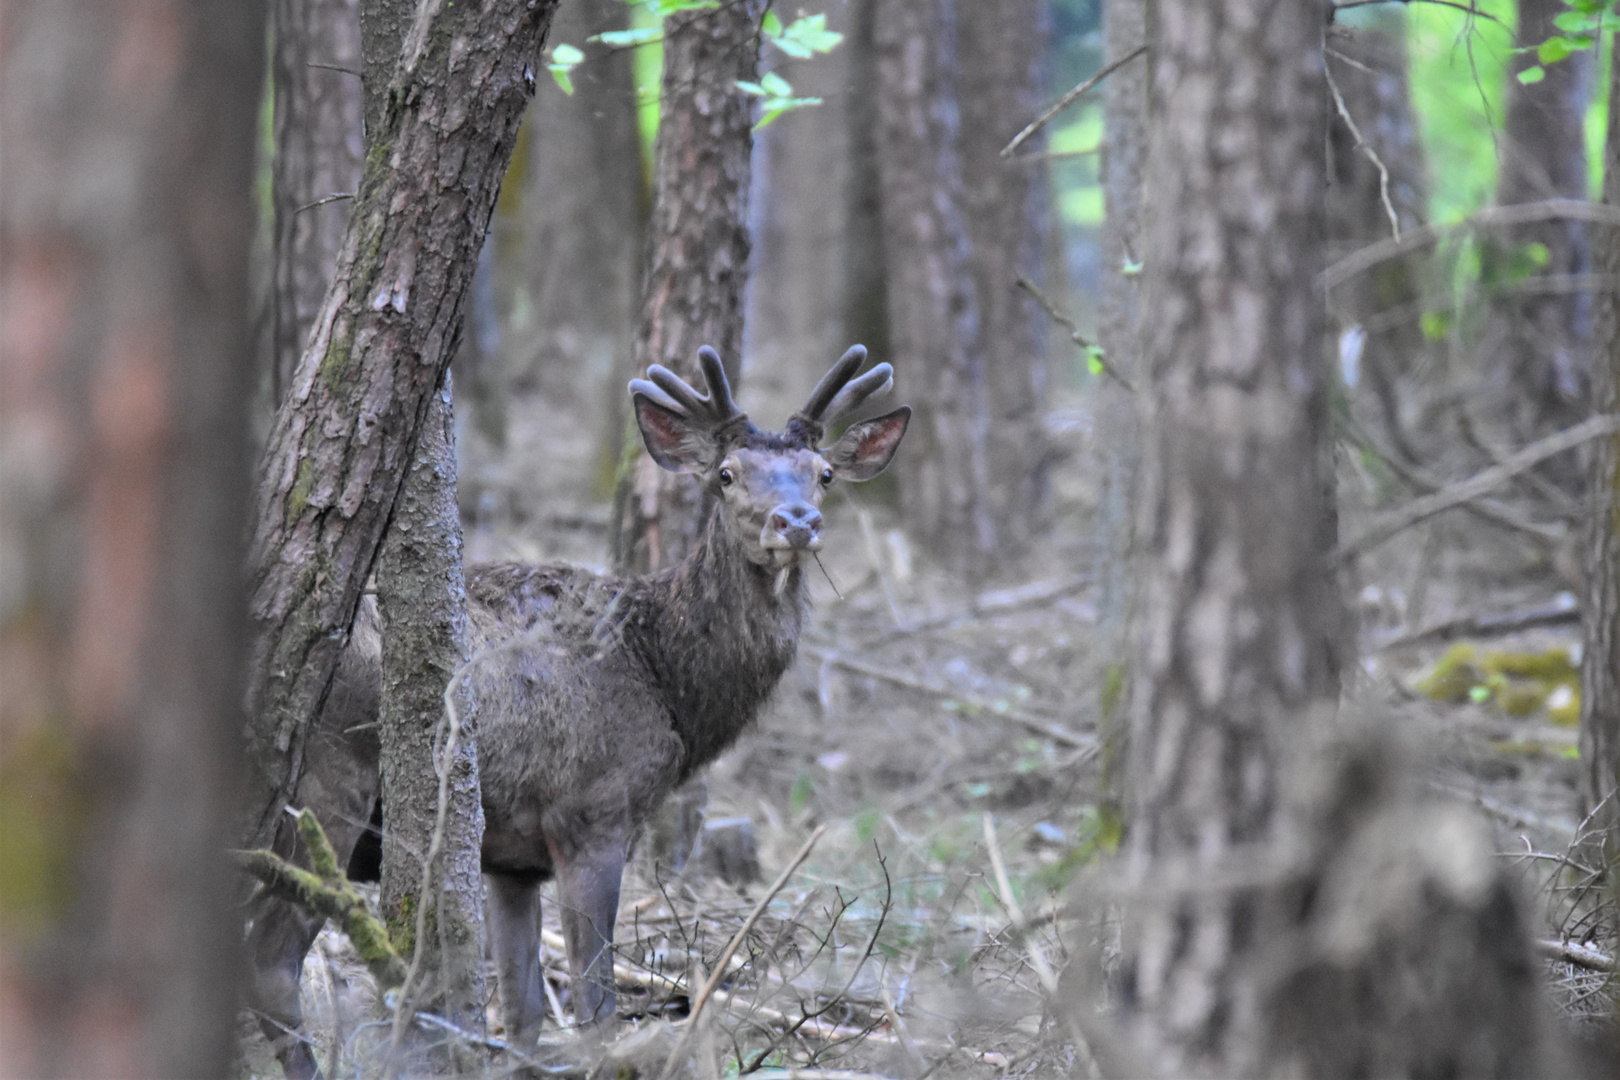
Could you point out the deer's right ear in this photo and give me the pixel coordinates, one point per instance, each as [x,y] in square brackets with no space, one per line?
[672,439]
[867,448]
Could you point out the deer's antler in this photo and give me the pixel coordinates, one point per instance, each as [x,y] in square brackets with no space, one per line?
[712,411]
[836,395]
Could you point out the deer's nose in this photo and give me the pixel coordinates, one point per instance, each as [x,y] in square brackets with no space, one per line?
[797,523]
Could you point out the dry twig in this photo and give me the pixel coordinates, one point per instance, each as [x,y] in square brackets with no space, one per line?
[1068,99]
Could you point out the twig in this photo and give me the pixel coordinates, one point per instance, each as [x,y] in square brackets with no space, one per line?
[731,947]
[1470,8]
[334,67]
[1075,336]
[1371,155]
[336,196]
[1068,99]
[1579,955]
[1387,525]
[1559,611]
[895,678]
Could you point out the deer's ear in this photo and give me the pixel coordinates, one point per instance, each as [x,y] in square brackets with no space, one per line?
[672,440]
[867,447]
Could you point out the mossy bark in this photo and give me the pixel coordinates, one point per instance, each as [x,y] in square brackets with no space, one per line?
[394,310]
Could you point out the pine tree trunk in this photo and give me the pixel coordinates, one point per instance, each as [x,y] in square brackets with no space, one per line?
[317,157]
[1007,205]
[432,892]
[339,451]
[697,263]
[1124,151]
[1536,346]
[125,223]
[800,275]
[866,288]
[1241,625]
[1600,619]
[934,325]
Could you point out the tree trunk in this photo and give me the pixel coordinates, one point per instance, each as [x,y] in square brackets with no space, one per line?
[866,288]
[799,279]
[1124,150]
[317,156]
[1241,625]
[697,262]
[934,326]
[432,892]
[125,224]
[1007,204]
[1600,620]
[342,440]
[1536,346]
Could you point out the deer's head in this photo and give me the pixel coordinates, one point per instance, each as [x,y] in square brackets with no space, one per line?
[770,483]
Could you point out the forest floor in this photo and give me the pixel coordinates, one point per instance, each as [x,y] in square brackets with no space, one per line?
[945,740]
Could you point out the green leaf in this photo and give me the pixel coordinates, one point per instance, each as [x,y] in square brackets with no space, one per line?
[1532,75]
[1479,694]
[665,8]
[776,86]
[1553,50]
[803,38]
[1094,360]
[564,58]
[1537,254]
[776,106]
[1574,22]
[629,39]
[771,25]
[1129,267]
[751,88]
[1435,325]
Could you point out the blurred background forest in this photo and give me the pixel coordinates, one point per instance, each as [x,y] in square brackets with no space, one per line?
[981,667]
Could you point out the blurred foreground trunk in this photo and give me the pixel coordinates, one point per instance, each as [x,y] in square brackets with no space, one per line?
[1008,207]
[697,260]
[1600,617]
[343,439]
[1535,351]
[125,222]
[1241,626]
[432,895]
[315,168]
[934,325]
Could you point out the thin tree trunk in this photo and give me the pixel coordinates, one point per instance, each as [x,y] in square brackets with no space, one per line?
[1241,624]
[125,222]
[340,448]
[697,261]
[1600,620]
[1124,152]
[1535,352]
[800,276]
[933,313]
[317,158]
[1007,204]
[866,289]
[433,910]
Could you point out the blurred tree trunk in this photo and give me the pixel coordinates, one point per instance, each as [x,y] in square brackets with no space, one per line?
[1535,352]
[123,399]
[582,229]
[1600,653]
[697,262]
[934,325]
[1241,625]
[866,287]
[1380,338]
[339,452]
[1126,108]
[799,280]
[317,157]
[430,868]
[1007,204]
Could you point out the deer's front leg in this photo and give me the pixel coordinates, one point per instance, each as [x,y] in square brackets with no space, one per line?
[588,902]
[514,926]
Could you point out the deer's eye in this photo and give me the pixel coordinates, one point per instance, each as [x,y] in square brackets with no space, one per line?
[726,479]
[826,476]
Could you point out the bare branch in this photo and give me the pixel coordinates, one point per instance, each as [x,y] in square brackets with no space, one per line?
[1075,336]
[1068,99]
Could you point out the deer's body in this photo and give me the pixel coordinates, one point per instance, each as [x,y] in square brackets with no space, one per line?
[597,695]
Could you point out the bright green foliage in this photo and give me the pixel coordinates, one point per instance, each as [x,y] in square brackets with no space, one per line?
[629,39]
[776,97]
[803,38]
[564,59]
[1077,136]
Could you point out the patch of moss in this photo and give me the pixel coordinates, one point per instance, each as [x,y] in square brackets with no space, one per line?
[303,484]
[1454,675]
[41,815]
[1517,683]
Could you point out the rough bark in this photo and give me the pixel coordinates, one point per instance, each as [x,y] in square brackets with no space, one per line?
[799,280]
[866,288]
[317,156]
[434,911]
[934,326]
[338,453]
[1536,345]
[697,259]
[125,222]
[1007,205]
[1124,151]
[1600,618]
[1241,624]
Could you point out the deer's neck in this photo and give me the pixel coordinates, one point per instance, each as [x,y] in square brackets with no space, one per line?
[722,635]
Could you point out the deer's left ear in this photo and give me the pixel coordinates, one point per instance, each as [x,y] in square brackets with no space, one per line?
[867,447]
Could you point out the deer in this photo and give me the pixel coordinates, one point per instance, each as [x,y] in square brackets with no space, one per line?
[597,695]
